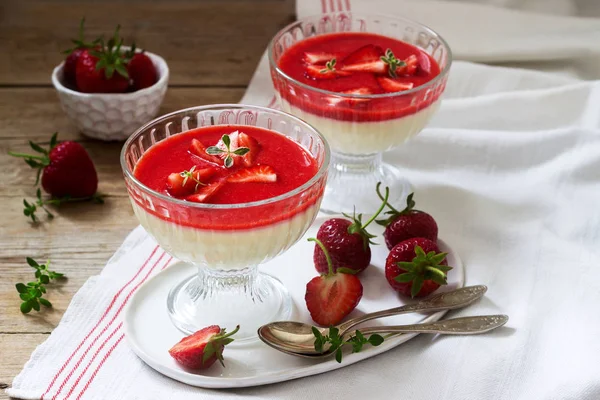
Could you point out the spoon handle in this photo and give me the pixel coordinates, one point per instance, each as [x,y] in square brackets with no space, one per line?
[443,301]
[455,326]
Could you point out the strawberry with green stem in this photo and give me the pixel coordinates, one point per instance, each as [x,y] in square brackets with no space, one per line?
[406,224]
[226,152]
[67,174]
[347,241]
[201,349]
[73,54]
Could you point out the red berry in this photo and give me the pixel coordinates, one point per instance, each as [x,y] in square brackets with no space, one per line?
[258,173]
[92,80]
[192,351]
[416,268]
[391,85]
[183,183]
[318,58]
[327,71]
[142,71]
[70,66]
[199,150]
[245,140]
[70,172]
[206,192]
[333,295]
[408,223]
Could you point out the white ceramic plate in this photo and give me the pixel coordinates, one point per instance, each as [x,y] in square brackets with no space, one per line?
[151,334]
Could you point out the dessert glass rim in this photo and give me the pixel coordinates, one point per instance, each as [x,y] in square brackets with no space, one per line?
[432,82]
[311,182]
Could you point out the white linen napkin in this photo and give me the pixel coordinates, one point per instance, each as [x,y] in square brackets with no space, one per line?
[510,168]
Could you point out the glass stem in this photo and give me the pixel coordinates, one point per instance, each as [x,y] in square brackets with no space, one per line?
[244,282]
[356,164]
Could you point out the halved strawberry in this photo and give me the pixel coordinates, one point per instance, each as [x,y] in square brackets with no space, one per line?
[359,91]
[258,173]
[198,149]
[327,71]
[411,66]
[392,85]
[181,184]
[332,296]
[245,140]
[317,58]
[201,349]
[205,192]
[424,63]
[376,67]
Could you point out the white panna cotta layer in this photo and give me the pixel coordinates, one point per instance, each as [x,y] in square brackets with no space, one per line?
[226,249]
[369,137]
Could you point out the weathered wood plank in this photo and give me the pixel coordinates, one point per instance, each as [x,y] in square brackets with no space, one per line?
[209,42]
[15,350]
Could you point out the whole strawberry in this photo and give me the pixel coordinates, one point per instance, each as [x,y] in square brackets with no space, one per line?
[103,69]
[416,267]
[347,241]
[141,69]
[201,349]
[333,295]
[74,53]
[406,224]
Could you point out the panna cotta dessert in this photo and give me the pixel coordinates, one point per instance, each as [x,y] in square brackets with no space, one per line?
[368,83]
[223,189]
[355,65]
[219,166]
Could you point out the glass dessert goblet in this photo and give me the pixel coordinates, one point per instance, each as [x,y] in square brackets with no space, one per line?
[227,242]
[359,127]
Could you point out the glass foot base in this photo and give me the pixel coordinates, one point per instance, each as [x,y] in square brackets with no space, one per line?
[247,298]
[352,181]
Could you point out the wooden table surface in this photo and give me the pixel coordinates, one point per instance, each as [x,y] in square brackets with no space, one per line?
[212,48]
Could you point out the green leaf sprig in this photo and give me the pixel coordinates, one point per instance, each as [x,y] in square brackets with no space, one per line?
[187,175]
[217,343]
[31,208]
[32,292]
[336,342]
[227,154]
[393,63]
[329,66]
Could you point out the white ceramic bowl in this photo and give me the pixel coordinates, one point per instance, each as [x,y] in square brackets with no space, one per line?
[108,116]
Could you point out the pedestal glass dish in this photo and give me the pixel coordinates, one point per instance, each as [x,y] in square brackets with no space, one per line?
[227,242]
[360,128]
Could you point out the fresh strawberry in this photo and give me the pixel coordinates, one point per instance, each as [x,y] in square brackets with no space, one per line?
[74,53]
[333,295]
[258,173]
[203,348]
[182,183]
[317,58]
[424,63]
[142,71]
[370,58]
[392,85]
[103,70]
[406,224]
[328,71]
[347,242]
[204,194]
[66,169]
[249,142]
[409,67]
[416,268]
[377,67]
[198,149]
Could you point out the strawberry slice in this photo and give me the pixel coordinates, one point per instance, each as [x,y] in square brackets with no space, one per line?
[317,58]
[392,85]
[332,296]
[194,351]
[205,192]
[198,149]
[258,173]
[424,63]
[365,54]
[324,72]
[181,184]
[351,101]
[375,67]
[245,140]
[411,66]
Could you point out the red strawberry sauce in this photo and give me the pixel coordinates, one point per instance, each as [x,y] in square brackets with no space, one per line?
[341,45]
[293,165]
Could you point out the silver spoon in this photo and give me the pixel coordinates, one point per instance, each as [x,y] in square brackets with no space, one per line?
[297,337]
[455,326]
